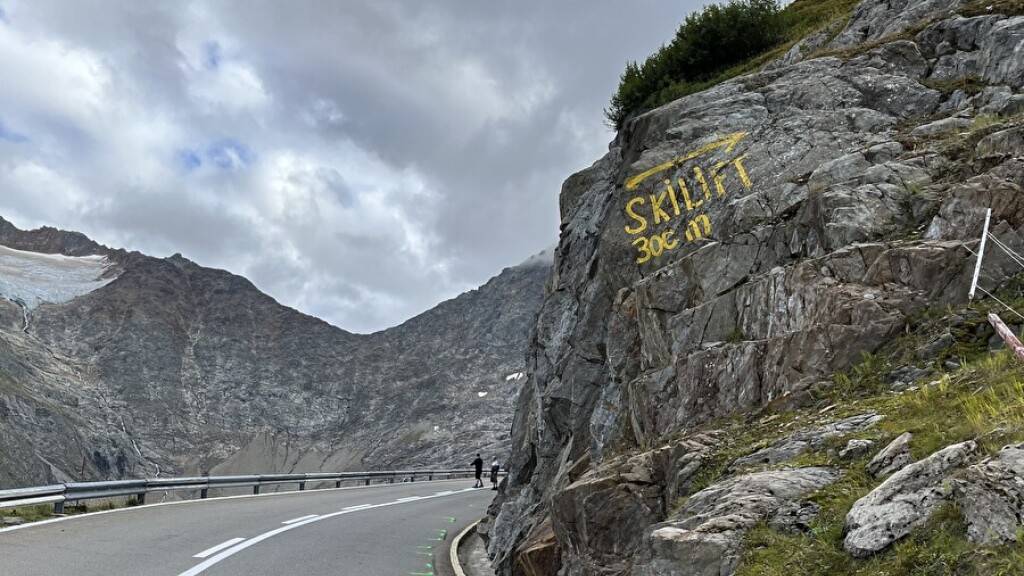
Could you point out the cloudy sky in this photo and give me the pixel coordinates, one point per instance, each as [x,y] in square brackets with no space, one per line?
[358,160]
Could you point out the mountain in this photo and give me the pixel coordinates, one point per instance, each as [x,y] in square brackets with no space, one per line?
[758,288]
[114,364]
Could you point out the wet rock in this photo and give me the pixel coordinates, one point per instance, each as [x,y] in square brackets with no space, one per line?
[991,497]
[904,501]
[893,457]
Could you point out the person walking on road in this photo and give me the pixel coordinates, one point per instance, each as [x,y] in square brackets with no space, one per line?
[478,466]
[495,468]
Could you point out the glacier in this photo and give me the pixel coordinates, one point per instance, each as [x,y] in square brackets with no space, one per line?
[32,278]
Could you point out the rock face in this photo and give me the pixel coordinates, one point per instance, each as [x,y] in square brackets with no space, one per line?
[165,367]
[737,247]
[991,497]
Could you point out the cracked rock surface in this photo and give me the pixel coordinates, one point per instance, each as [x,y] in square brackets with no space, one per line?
[904,501]
[844,223]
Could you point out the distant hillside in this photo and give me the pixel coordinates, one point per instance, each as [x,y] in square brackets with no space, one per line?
[160,366]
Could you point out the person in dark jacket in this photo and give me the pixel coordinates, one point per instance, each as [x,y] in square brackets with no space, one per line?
[495,468]
[478,466]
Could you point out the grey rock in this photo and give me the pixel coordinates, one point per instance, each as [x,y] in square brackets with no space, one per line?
[790,279]
[893,457]
[705,537]
[800,442]
[876,19]
[1007,142]
[904,501]
[944,127]
[855,449]
[991,497]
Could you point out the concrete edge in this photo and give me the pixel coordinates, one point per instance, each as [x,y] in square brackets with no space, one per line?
[453,552]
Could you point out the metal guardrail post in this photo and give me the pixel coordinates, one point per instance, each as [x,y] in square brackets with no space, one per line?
[302,486]
[203,493]
[256,489]
[58,507]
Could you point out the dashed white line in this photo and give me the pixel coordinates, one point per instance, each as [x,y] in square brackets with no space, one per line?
[218,548]
[201,567]
[409,499]
[294,520]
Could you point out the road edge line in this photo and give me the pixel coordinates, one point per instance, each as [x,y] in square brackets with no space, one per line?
[453,552]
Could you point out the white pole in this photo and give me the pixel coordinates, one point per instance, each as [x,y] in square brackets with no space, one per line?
[981,254]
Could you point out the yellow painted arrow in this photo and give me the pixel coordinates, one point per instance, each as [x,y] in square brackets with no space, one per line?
[729,142]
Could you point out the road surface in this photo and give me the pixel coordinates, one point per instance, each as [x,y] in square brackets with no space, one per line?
[391,530]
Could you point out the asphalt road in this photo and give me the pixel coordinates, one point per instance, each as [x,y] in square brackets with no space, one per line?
[394,530]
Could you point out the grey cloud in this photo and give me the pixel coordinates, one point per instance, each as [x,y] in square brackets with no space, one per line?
[358,160]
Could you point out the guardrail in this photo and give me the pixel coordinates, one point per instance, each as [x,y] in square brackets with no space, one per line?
[59,494]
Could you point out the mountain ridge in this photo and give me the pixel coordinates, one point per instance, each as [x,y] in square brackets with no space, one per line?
[172,367]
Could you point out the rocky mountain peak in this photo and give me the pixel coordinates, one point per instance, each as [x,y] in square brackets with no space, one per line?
[147,366]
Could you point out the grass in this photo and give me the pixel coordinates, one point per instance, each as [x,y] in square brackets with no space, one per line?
[44,511]
[983,7]
[980,399]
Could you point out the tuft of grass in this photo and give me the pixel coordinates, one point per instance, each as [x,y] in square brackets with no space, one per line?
[971,85]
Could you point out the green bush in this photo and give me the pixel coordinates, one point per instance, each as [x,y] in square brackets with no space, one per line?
[717,43]
[707,43]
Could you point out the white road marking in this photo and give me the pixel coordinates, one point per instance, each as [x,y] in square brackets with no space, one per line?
[354,508]
[409,499]
[209,562]
[294,520]
[445,493]
[218,548]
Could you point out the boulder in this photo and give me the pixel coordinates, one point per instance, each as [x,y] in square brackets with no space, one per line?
[893,457]
[903,502]
[855,449]
[991,497]
[705,537]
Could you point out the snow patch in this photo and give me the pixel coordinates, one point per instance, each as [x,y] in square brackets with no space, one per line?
[481,394]
[516,377]
[31,278]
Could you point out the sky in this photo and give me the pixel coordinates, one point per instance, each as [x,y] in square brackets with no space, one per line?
[360,161]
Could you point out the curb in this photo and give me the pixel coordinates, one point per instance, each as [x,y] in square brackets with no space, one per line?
[453,552]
